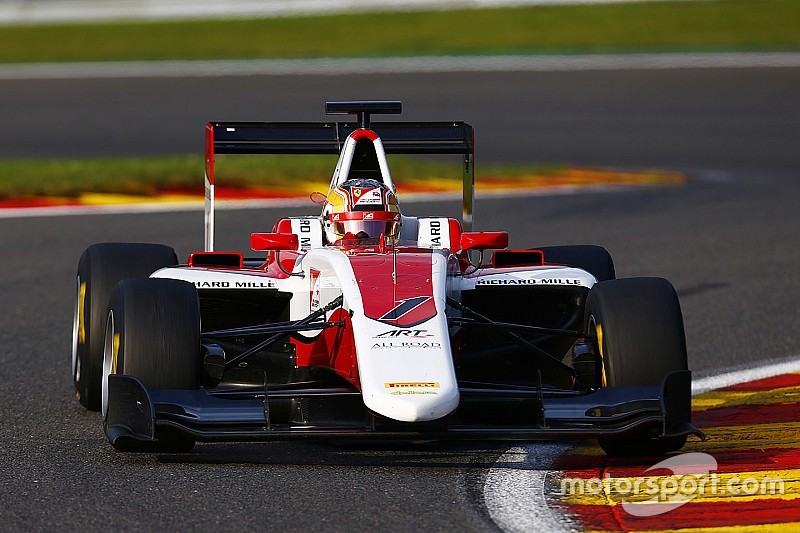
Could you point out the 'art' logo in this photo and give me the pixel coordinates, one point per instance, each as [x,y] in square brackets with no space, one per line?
[410,312]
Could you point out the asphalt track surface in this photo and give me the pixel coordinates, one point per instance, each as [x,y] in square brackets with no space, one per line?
[715,119]
[727,240]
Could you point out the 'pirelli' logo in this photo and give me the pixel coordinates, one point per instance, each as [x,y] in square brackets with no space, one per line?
[413,385]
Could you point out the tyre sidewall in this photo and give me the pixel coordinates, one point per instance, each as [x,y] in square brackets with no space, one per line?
[100,267]
[589,257]
[641,325]
[158,326]
[641,339]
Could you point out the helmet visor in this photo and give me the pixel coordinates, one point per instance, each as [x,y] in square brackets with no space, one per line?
[366,224]
[363,229]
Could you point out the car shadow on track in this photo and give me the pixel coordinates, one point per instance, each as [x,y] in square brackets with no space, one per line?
[700,288]
[424,455]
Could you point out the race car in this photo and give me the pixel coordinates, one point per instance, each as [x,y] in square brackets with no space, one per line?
[360,322]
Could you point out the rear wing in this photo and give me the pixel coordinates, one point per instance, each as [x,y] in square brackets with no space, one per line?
[328,138]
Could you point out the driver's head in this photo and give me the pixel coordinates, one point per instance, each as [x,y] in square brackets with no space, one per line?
[361,209]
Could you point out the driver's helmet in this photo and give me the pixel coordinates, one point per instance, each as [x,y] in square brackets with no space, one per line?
[361,209]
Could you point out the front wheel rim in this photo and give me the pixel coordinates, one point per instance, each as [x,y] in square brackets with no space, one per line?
[77,330]
[110,354]
[598,331]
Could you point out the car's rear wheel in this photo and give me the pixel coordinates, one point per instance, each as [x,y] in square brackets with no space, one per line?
[100,268]
[640,339]
[594,259]
[153,334]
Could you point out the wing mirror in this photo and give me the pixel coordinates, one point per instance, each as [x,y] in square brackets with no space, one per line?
[318,198]
[274,242]
[484,240]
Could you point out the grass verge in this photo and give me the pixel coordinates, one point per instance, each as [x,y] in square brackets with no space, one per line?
[714,25]
[154,175]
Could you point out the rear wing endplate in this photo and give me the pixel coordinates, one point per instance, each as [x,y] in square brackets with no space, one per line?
[328,138]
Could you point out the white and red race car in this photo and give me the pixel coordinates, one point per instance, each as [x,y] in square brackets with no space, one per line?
[365,323]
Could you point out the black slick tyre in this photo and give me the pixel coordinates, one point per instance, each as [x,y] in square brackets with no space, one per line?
[100,268]
[153,333]
[640,339]
[594,259]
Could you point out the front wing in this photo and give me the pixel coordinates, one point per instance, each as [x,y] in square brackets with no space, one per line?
[136,415]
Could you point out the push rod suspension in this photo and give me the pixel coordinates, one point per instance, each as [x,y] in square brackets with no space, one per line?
[277,327]
[535,349]
[263,344]
[521,327]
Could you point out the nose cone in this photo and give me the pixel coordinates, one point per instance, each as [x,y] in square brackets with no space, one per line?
[414,402]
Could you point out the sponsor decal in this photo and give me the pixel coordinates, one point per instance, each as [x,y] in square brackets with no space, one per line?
[212,284]
[559,281]
[528,281]
[434,232]
[407,304]
[356,192]
[252,285]
[412,385]
[505,281]
[410,312]
[234,285]
[404,333]
[372,197]
[314,296]
[303,229]
[422,345]
[414,392]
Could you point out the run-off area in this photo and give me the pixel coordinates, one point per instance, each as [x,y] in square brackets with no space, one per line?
[746,474]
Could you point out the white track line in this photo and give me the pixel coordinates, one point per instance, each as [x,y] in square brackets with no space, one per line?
[397,65]
[515,486]
[514,490]
[37,11]
[745,375]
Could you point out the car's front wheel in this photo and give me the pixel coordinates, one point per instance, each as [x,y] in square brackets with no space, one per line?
[638,326]
[153,334]
[100,267]
[592,258]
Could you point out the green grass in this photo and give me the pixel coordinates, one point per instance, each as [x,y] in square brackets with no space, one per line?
[631,27]
[730,25]
[148,176]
